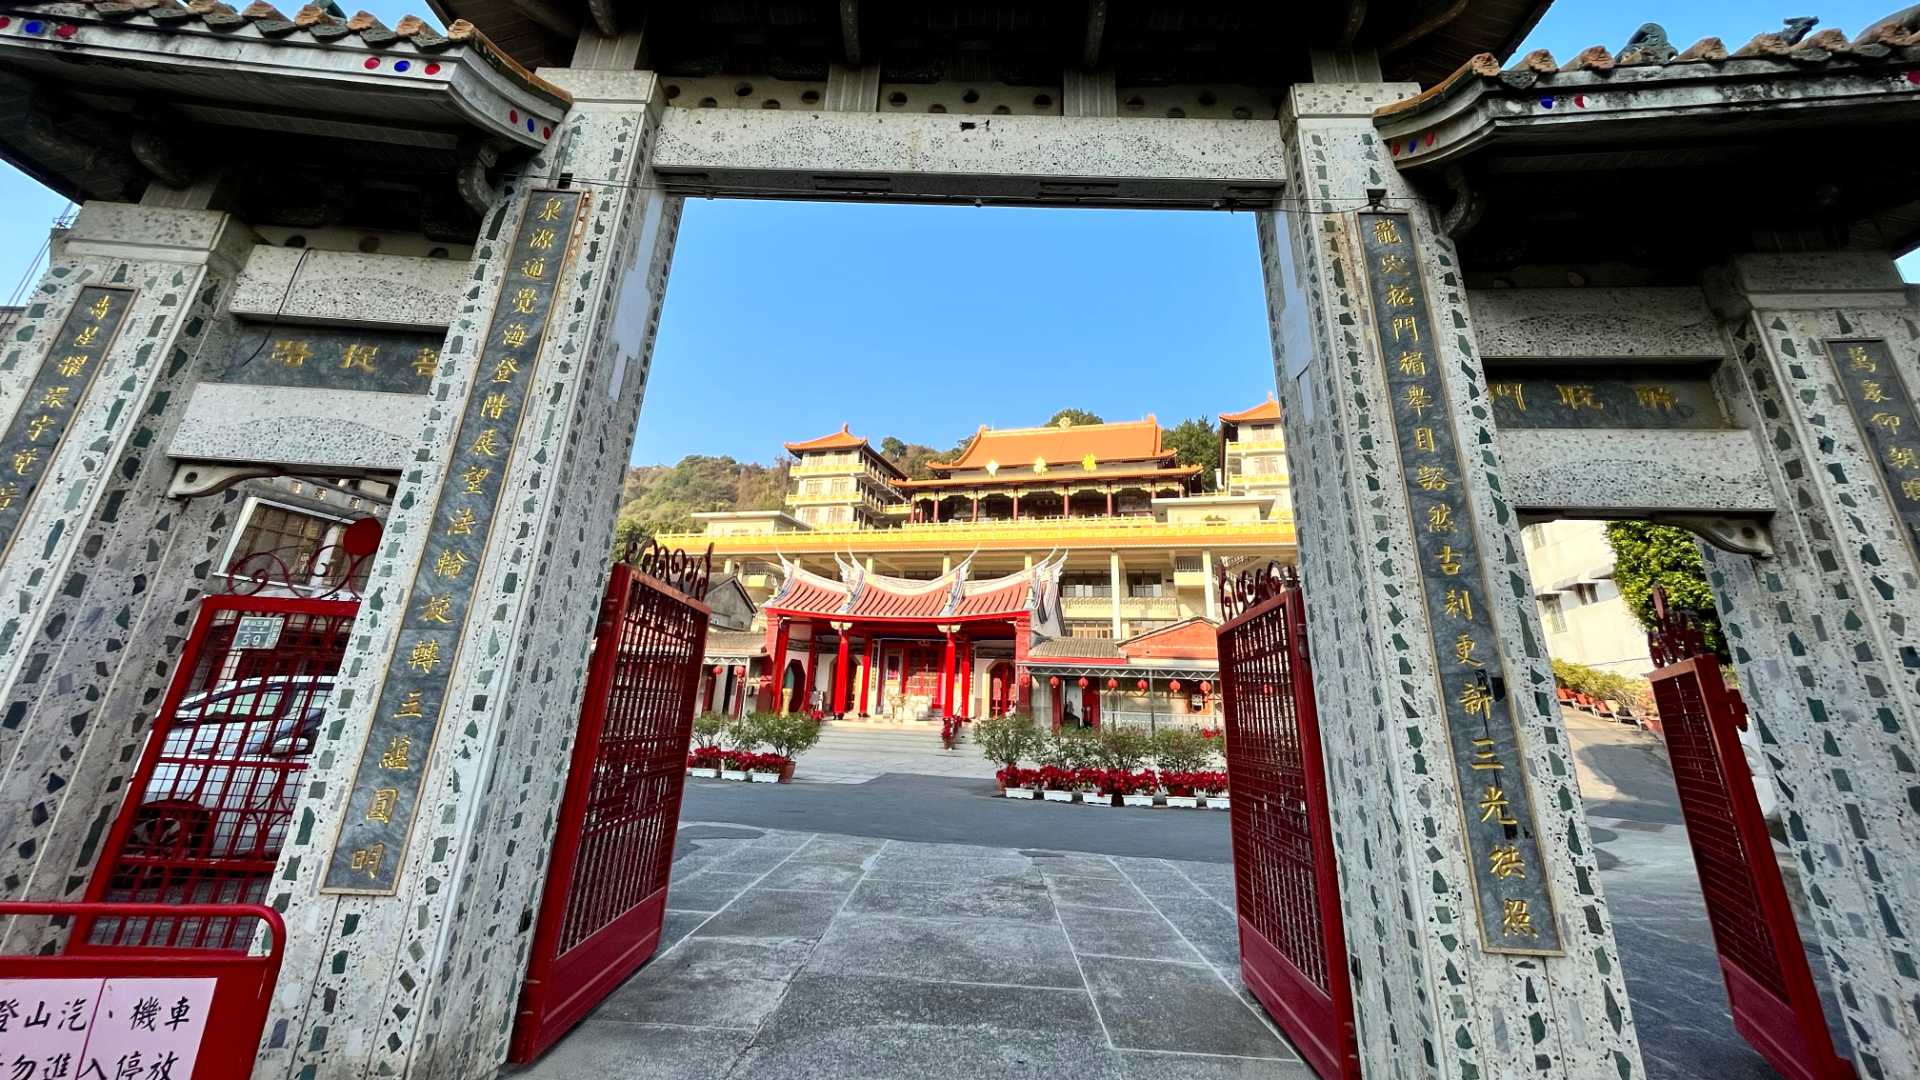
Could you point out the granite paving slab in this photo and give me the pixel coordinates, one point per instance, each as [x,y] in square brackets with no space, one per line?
[641,1052]
[1022,900]
[1152,1005]
[1145,934]
[774,914]
[999,951]
[708,890]
[1114,893]
[707,982]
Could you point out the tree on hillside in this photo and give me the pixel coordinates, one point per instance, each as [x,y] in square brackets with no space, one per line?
[1078,416]
[659,498]
[1645,555]
[1195,441]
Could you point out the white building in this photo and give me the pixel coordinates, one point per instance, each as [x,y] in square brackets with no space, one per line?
[1586,619]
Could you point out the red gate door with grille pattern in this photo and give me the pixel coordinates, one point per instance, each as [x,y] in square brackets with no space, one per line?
[209,804]
[1292,947]
[1775,1005]
[606,892]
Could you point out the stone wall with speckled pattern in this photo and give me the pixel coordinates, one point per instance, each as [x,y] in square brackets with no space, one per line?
[1428,1001]
[423,983]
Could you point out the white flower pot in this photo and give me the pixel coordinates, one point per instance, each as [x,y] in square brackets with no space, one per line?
[704,774]
[764,777]
[1021,793]
[733,774]
[1136,800]
[1185,802]
[1057,796]
[1218,802]
[1094,798]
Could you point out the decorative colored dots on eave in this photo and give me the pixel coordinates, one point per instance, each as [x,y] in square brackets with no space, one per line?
[1411,144]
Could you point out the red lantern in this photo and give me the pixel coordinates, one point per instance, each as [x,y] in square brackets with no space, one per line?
[1083,682]
[1053,680]
[1111,683]
[1206,686]
[1141,685]
[739,669]
[719,669]
[1173,685]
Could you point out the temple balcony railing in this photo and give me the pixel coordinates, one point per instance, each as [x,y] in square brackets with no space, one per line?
[1029,534]
[1131,607]
[1256,445]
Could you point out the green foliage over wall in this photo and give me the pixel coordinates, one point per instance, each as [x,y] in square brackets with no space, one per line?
[1078,416]
[1195,441]
[1646,555]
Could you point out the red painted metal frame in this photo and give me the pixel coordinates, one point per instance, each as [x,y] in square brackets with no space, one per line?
[1770,988]
[1292,942]
[241,998]
[224,873]
[606,891]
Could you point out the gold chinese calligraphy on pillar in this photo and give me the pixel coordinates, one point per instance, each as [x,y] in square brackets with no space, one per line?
[370,846]
[1509,883]
[45,418]
[1878,397]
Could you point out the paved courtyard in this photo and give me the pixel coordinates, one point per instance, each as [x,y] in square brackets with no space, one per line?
[914,924]
[792,954]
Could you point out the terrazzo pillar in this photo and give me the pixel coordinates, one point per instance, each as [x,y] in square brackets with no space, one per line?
[1402,523]
[1826,631]
[417,972]
[100,568]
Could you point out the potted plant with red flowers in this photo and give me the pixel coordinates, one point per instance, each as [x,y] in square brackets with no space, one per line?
[709,729]
[733,764]
[704,762]
[1137,788]
[769,768]
[1213,785]
[1056,783]
[787,736]
[1004,740]
[1180,790]
[1096,785]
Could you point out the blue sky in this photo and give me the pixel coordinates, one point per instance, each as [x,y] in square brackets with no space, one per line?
[784,320]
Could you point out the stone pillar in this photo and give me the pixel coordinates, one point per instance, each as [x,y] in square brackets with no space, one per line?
[944,700]
[1423,893]
[866,674]
[1116,584]
[1211,589]
[778,673]
[1826,631]
[99,569]
[840,684]
[422,981]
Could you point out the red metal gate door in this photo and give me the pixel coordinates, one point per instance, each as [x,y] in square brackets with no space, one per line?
[1292,948]
[209,803]
[1769,986]
[606,892]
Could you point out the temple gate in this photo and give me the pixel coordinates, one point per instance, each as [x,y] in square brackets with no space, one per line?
[446,272]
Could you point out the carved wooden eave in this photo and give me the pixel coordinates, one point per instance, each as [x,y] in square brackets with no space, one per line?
[210,75]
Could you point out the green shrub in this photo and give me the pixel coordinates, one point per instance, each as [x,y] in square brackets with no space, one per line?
[1008,740]
[709,728]
[1181,749]
[789,736]
[1124,748]
[1070,748]
[1605,685]
[746,733]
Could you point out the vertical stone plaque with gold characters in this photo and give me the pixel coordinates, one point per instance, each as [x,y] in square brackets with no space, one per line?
[34,437]
[371,844]
[1880,403]
[1514,904]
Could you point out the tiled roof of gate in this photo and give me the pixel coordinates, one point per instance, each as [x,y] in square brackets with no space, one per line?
[1895,38]
[311,23]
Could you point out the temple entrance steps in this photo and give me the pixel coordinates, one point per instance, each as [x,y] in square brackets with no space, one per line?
[855,751]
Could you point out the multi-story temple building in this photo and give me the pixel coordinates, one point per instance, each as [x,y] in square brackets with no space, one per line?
[1114,544]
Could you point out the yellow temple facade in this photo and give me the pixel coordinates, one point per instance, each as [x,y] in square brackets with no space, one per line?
[1141,535]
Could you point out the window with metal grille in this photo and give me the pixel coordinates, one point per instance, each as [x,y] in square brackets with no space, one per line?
[1552,615]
